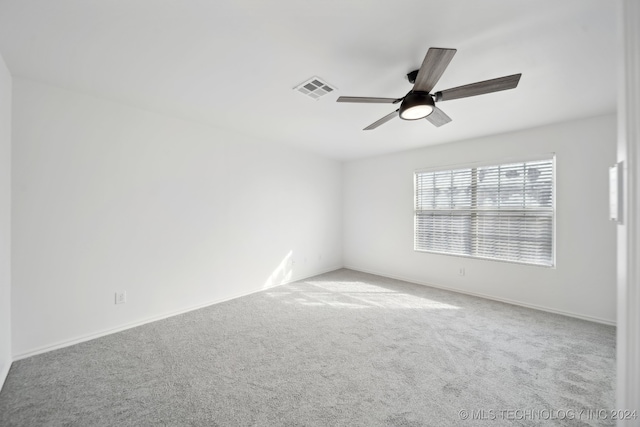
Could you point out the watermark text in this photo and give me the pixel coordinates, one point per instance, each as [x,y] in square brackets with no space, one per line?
[535,414]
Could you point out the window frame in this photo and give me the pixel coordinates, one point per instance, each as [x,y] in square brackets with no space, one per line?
[471,165]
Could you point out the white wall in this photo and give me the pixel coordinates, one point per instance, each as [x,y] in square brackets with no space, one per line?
[378,220]
[5,221]
[109,198]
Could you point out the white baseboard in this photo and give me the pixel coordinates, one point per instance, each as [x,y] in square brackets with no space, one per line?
[485,296]
[104,332]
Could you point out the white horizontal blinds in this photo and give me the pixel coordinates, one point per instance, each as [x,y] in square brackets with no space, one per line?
[515,212]
[512,237]
[443,189]
[518,185]
[444,232]
[500,212]
[443,220]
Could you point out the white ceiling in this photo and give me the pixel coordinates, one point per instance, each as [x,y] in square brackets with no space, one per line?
[233,63]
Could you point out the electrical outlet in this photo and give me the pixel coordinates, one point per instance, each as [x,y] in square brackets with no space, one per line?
[461,271]
[121,297]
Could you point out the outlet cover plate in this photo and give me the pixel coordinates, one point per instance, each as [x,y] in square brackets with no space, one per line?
[121,297]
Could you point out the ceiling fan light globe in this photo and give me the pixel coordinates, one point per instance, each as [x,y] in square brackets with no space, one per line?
[416,112]
[416,105]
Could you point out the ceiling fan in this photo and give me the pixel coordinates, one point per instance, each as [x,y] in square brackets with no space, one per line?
[419,103]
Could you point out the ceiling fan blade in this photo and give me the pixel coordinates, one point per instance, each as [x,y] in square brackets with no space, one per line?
[438,117]
[435,62]
[367,100]
[382,121]
[480,88]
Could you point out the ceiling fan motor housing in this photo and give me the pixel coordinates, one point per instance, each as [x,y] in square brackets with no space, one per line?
[416,105]
[412,76]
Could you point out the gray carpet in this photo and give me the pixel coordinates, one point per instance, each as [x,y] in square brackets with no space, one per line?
[340,349]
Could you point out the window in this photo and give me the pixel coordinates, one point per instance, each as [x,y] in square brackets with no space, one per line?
[502,212]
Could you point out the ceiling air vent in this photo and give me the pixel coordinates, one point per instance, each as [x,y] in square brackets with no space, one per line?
[315,88]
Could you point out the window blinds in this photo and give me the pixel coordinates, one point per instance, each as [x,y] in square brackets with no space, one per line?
[503,212]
